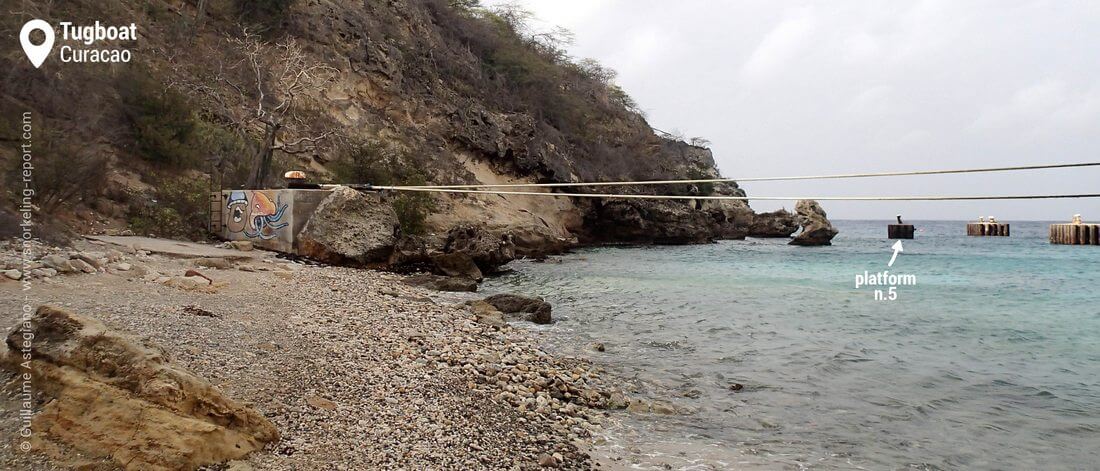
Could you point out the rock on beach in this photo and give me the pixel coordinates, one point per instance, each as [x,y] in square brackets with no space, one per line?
[111,397]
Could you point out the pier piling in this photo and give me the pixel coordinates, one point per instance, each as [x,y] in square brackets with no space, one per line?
[900,231]
[987,229]
[1075,234]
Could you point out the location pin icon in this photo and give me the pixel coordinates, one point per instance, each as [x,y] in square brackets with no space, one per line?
[36,53]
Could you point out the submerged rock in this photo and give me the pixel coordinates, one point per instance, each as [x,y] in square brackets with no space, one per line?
[650,407]
[532,309]
[816,229]
[111,398]
[349,227]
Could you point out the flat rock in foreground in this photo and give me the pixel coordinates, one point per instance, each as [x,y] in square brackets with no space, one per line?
[109,397]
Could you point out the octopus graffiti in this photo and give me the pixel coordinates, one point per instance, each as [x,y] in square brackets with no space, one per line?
[254,214]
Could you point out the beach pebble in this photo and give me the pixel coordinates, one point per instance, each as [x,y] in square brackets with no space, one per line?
[548,461]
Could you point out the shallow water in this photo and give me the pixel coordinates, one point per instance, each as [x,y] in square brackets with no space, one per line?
[991,361]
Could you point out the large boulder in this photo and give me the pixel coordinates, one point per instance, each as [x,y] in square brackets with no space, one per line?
[816,228]
[487,249]
[530,309]
[781,223]
[350,227]
[111,398]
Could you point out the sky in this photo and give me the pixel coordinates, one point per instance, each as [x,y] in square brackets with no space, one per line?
[808,88]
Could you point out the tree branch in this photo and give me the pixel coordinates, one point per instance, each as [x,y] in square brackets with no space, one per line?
[289,146]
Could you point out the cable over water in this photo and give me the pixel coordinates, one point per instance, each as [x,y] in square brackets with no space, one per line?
[740,198]
[760,179]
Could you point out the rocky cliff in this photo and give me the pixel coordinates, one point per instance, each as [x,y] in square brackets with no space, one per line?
[227,93]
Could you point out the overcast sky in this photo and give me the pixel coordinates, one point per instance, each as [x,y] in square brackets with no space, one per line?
[794,88]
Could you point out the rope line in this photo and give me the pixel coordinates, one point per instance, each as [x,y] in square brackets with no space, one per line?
[740,198]
[753,179]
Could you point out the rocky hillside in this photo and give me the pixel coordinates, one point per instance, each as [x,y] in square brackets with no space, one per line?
[230,93]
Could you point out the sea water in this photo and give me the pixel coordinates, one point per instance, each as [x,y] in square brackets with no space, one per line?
[990,360]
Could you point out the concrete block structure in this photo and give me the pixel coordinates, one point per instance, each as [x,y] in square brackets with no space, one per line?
[271,219]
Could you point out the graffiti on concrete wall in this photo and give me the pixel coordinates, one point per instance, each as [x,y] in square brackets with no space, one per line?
[254,214]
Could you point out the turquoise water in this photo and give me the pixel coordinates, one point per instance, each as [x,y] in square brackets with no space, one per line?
[991,361]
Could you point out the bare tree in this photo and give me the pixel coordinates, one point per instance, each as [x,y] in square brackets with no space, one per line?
[259,86]
[281,74]
[200,19]
[594,70]
[699,142]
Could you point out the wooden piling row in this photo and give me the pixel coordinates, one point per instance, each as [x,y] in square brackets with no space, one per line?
[986,229]
[900,231]
[1075,234]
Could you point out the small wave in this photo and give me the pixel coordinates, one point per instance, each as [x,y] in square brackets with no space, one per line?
[672,345]
[850,357]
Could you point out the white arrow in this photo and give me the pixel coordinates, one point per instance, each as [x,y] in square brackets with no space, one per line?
[897,248]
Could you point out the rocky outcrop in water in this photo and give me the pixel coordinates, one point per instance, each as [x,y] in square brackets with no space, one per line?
[649,222]
[816,228]
[732,219]
[109,397]
[673,222]
[350,227]
[781,223]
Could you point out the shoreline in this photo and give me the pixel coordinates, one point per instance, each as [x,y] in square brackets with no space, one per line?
[352,366]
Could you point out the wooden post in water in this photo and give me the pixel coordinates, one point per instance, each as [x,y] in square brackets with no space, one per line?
[900,231]
[987,229]
[1075,234]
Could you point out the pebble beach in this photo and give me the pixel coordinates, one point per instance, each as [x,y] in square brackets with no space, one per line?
[355,368]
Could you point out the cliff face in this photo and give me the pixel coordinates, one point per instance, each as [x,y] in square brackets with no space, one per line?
[436,91]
